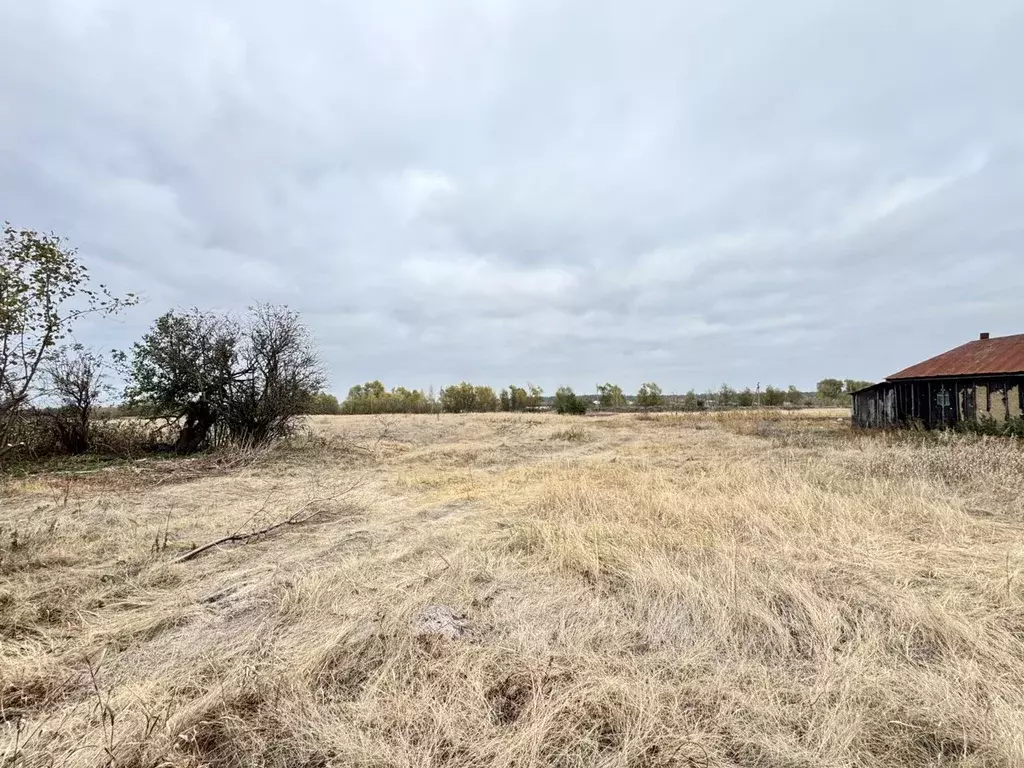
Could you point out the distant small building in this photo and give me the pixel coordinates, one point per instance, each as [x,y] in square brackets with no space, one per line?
[980,379]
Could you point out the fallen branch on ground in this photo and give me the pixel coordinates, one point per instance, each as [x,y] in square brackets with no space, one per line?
[307,513]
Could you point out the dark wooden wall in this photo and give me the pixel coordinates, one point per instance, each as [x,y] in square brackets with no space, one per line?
[937,403]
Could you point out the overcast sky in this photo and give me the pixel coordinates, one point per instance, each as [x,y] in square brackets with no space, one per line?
[558,192]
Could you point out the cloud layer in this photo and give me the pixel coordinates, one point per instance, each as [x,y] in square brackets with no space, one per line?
[561,192]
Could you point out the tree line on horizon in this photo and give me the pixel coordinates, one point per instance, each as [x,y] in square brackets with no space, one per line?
[464,397]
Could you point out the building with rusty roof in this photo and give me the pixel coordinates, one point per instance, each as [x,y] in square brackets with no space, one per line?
[982,379]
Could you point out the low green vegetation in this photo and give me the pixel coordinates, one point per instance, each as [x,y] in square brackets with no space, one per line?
[568,402]
[986,425]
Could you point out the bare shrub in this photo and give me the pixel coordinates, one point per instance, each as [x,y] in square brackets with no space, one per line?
[75,379]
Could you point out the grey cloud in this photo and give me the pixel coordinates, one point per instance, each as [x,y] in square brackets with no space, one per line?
[565,193]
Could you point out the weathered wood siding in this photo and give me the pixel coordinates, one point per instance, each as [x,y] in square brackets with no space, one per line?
[876,407]
[937,403]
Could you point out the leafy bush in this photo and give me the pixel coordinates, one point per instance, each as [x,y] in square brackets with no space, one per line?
[568,402]
[224,378]
[986,425]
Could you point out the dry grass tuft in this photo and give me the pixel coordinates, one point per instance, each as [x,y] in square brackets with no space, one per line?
[756,589]
[570,434]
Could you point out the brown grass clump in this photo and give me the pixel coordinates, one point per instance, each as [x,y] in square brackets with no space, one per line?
[573,434]
[686,590]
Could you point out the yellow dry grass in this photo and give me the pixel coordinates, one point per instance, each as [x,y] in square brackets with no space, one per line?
[682,590]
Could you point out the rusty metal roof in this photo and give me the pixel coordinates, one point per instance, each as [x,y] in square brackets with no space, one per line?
[984,357]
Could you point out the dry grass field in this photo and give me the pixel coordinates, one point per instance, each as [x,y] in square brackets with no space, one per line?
[495,590]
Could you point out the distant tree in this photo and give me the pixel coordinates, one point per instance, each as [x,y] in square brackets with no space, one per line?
[485,399]
[726,396]
[794,396]
[568,402]
[745,398]
[535,398]
[610,396]
[830,389]
[649,395]
[773,397]
[323,404]
[459,398]
[404,400]
[466,398]
[852,385]
[373,390]
[518,398]
[691,402]
[370,397]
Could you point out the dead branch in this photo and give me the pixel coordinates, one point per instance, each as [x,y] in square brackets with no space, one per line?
[307,513]
[297,519]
